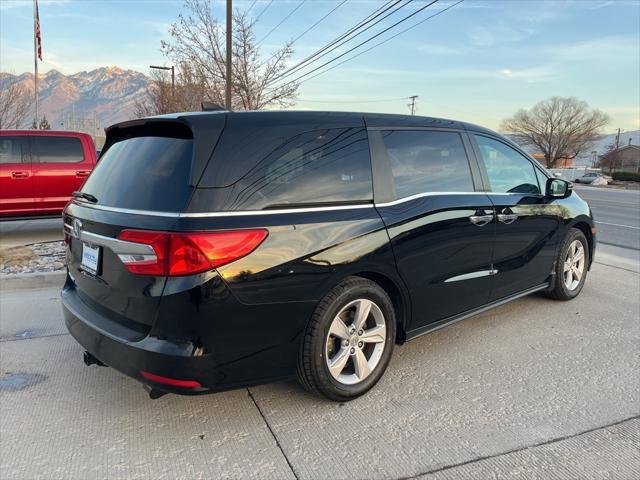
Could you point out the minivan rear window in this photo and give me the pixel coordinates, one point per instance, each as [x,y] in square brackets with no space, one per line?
[143,173]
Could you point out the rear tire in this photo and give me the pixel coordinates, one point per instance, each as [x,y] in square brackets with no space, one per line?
[348,342]
[571,267]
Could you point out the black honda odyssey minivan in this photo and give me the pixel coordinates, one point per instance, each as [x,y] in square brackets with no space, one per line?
[210,251]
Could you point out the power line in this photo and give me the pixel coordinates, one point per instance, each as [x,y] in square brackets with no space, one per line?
[282,21]
[364,42]
[338,44]
[264,10]
[251,6]
[342,39]
[318,22]
[384,41]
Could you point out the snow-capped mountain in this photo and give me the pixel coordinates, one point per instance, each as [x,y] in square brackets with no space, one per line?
[109,93]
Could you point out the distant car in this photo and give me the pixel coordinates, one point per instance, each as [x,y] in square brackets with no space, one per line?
[40,169]
[590,177]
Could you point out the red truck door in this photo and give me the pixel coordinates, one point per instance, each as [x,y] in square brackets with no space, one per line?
[16,179]
[60,166]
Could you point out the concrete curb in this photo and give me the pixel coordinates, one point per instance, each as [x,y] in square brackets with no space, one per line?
[27,281]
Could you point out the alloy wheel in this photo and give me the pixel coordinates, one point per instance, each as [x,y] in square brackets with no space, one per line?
[574,265]
[355,341]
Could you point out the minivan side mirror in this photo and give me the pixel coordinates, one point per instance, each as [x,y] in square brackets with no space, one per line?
[558,188]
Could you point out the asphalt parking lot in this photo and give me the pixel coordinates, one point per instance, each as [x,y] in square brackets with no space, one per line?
[533,389]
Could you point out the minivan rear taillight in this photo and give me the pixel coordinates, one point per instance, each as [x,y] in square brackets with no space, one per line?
[178,254]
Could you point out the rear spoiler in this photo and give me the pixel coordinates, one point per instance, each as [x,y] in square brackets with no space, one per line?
[205,129]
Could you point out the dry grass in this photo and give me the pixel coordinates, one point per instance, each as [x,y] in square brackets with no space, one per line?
[16,256]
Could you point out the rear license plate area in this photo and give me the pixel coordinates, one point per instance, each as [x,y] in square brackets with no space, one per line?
[90,261]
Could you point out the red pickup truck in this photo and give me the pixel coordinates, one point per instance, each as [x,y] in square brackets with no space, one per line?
[40,169]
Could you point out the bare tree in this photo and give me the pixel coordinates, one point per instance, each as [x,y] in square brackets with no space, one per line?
[197,47]
[559,127]
[609,159]
[15,104]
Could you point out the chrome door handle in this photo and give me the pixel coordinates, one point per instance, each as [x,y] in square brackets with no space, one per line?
[507,218]
[480,220]
[19,174]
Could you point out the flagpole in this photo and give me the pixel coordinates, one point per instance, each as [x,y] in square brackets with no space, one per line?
[35,59]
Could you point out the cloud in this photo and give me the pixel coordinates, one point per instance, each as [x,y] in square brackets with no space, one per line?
[613,48]
[543,73]
[530,75]
[611,3]
[487,36]
[434,49]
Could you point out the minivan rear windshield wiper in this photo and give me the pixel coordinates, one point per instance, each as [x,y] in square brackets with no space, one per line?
[85,196]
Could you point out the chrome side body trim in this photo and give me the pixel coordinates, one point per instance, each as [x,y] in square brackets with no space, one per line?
[426,194]
[469,276]
[279,211]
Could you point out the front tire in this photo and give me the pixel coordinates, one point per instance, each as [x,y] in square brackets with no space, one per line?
[571,267]
[349,341]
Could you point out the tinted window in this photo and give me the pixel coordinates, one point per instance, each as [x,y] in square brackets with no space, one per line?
[144,173]
[542,180]
[508,170]
[425,161]
[13,150]
[57,149]
[316,167]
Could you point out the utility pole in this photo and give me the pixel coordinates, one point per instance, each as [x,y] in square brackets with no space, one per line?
[229,47]
[615,155]
[413,104]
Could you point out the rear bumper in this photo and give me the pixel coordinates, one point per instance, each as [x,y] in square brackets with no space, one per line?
[162,357]
[225,358]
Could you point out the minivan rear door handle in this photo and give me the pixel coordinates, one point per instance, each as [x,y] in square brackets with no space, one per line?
[82,173]
[19,174]
[481,220]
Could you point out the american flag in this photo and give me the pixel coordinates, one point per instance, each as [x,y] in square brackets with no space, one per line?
[38,37]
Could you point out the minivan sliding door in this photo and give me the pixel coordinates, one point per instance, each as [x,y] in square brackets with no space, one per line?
[441,228]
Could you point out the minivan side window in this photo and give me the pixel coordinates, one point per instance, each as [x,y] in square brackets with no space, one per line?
[542,180]
[57,149]
[508,170]
[330,166]
[427,161]
[13,150]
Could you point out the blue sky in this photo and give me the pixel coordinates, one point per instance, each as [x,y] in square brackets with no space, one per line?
[480,61]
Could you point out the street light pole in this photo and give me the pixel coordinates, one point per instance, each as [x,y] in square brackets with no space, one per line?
[173,76]
[229,47]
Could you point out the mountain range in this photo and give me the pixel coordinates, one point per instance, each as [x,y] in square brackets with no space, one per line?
[91,101]
[70,101]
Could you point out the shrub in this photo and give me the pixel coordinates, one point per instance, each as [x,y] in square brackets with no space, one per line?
[626,176]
